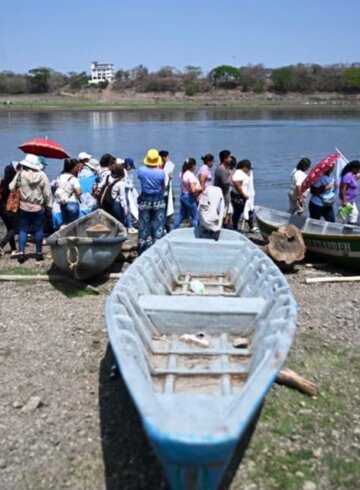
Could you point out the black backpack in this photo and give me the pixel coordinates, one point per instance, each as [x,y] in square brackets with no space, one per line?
[105,198]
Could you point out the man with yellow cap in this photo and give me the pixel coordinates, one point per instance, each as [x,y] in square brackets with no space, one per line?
[152,206]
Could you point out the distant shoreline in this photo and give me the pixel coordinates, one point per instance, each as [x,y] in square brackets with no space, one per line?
[219,100]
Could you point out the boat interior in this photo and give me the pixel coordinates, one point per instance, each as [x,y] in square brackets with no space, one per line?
[187,343]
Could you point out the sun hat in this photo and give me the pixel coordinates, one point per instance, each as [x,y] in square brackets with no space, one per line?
[84,156]
[93,164]
[129,161]
[31,161]
[120,161]
[152,159]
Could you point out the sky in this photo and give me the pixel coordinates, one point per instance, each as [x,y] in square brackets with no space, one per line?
[67,35]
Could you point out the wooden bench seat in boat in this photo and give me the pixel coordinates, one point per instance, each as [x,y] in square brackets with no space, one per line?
[189,314]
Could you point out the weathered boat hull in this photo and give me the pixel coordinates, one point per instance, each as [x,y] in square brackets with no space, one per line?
[198,404]
[333,242]
[80,250]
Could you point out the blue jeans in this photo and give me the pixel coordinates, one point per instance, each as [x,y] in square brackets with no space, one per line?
[36,220]
[188,209]
[152,215]
[118,212]
[70,212]
[316,212]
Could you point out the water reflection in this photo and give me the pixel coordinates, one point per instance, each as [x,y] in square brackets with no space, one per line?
[101,119]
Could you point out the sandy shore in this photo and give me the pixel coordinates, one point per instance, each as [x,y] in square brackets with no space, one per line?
[65,424]
[219,99]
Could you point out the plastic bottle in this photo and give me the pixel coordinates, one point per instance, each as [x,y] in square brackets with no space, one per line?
[197,286]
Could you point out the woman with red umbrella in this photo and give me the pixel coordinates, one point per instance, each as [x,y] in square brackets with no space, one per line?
[323,197]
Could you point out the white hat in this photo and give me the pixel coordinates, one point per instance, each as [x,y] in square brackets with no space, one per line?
[93,164]
[120,161]
[31,161]
[84,156]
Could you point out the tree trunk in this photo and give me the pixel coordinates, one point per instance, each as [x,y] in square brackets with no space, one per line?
[286,246]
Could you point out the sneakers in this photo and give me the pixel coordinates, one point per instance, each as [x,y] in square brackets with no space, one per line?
[21,258]
[254,229]
[39,257]
[14,253]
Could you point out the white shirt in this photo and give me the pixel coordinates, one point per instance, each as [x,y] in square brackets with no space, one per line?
[297,178]
[241,176]
[69,183]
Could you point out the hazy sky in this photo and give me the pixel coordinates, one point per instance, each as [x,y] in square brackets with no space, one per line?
[67,35]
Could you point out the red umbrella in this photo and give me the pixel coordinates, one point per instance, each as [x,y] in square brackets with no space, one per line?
[44,148]
[318,171]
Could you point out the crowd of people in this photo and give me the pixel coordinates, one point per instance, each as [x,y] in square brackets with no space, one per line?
[209,200]
[30,202]
[321,195]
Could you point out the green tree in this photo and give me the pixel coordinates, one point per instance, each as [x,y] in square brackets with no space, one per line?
[226,76]
[39,80]
[78,80]
[352,78]
[281,79]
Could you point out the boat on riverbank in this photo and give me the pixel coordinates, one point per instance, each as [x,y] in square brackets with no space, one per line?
[334,242]
[198,366]
[87,246]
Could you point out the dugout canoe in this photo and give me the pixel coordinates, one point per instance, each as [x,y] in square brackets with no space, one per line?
[333,242]
[198,367]
[87,246]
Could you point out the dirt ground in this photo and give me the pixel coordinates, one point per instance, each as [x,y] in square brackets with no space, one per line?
[65,424]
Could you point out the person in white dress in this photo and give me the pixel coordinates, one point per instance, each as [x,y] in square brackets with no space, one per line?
[296,197]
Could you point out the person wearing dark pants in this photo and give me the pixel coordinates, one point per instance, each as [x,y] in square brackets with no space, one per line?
[10,217]
[152,206]
[321,204]
[240,190]
[35,198]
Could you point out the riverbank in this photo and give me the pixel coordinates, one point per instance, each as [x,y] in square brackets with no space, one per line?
[66,424]
[220,99]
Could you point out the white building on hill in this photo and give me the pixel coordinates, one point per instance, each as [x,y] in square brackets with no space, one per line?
[101,72]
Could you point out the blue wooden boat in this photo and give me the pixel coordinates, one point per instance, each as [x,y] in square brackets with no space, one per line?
[198,366]
[87,246]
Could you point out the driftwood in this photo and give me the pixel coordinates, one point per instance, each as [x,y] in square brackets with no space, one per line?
[286,246]
[289,378]
[313,280]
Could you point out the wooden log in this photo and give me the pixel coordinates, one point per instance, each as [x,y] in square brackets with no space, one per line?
[286,246]
[289,378]
[313,280]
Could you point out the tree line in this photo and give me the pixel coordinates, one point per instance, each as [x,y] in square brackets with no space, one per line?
[301,78]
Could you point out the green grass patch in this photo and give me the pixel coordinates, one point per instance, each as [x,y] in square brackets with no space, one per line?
[21,271]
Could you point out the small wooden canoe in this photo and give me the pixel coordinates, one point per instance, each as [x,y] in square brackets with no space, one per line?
[334,242]
[89,245]
[198,366]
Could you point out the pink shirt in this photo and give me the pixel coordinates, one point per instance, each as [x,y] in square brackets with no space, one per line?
[186,179]
[204,170]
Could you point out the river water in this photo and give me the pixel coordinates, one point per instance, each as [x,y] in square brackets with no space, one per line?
[274,140]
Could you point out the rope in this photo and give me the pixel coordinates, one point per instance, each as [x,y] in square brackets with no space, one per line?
[72,251]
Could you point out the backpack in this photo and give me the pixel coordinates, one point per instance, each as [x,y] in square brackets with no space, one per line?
[104,197]
[61,196]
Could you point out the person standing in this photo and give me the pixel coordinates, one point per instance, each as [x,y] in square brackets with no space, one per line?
[190,189]
[68,192]
[204,174]
[348,189]
[240,190]
[10,217]
[222,179]
[323,197]
[35,199]
[130,192]
[296,197]
[168,167]
[152,206]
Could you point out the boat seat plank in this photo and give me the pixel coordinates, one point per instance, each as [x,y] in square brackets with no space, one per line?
[202,304]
